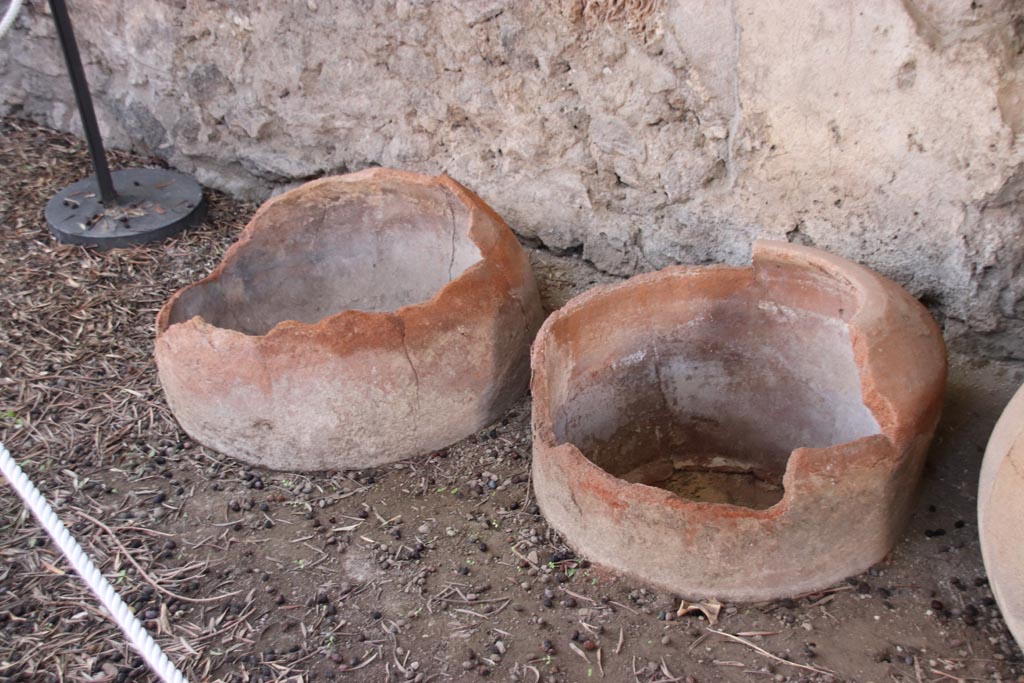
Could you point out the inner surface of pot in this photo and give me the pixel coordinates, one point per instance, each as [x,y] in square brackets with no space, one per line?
[710,405]
[341,246]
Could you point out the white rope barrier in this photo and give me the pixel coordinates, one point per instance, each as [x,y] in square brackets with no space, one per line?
[98,584]
[122,614]
[9,16]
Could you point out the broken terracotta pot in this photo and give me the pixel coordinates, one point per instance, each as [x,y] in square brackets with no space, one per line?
[359,320]
[737,433]
[1001,514]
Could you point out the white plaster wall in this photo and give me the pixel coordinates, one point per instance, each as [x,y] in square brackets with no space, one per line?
[642,132]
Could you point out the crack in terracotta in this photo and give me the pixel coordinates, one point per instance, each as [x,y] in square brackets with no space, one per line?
[415,374]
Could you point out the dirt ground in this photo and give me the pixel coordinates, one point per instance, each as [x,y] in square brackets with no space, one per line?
[434,569]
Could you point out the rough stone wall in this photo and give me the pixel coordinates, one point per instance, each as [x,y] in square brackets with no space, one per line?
[641,132]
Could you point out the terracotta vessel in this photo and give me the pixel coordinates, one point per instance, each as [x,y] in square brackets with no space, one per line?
[1001,514]
[737,433]
[359,320]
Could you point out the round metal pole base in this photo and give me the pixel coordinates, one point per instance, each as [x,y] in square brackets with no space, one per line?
[152,204]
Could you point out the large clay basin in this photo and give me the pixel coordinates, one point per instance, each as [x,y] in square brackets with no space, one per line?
[1001,514]
[737,433]
[359,320]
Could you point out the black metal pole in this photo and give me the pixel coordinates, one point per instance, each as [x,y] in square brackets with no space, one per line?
[84,99]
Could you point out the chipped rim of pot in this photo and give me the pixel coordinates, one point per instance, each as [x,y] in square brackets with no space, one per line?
[484,228]
[882,352]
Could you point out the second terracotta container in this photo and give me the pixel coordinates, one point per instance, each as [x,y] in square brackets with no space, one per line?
[737,433]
